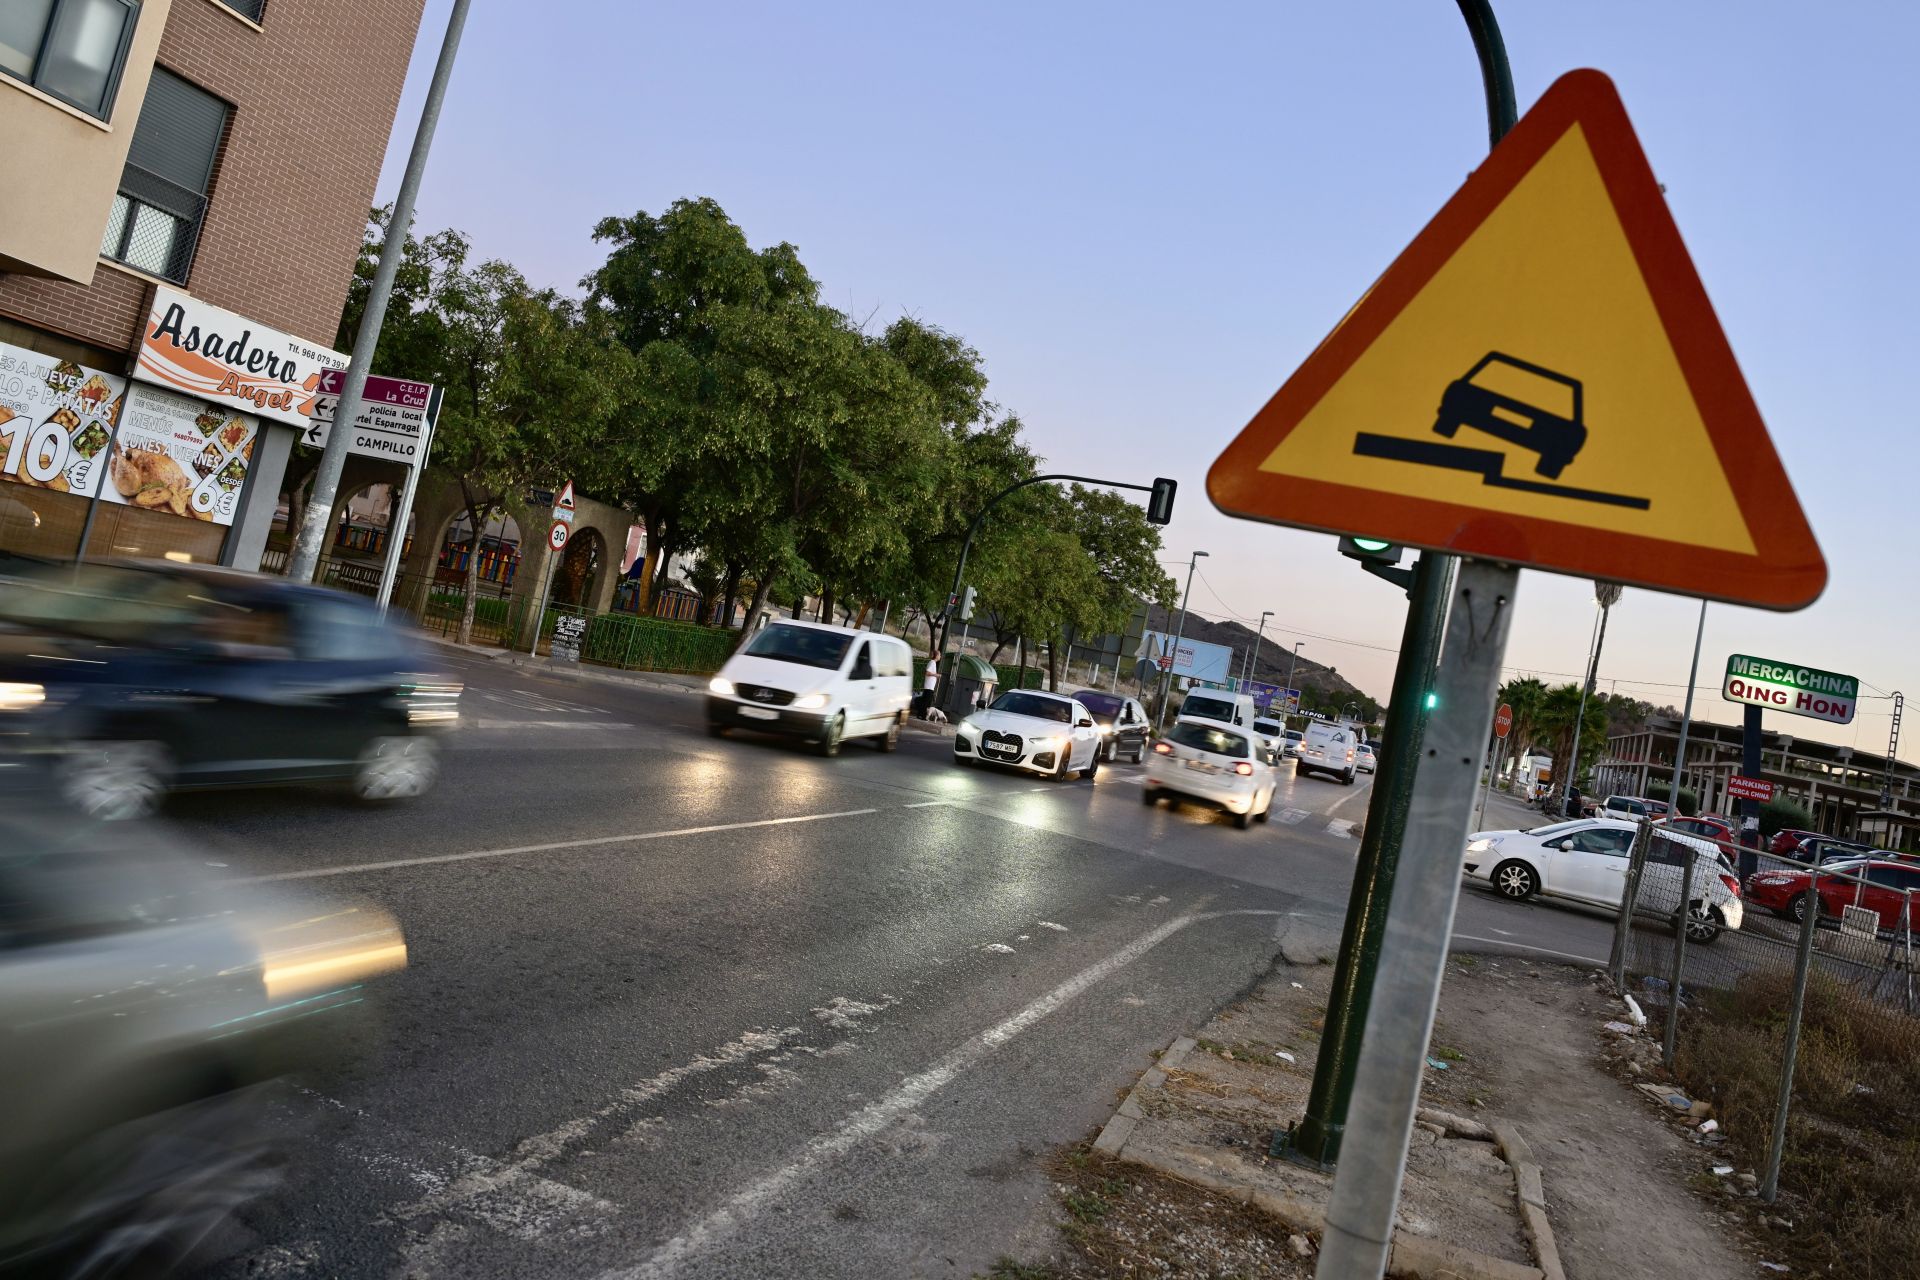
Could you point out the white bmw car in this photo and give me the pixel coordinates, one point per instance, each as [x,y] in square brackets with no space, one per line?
[1047,733]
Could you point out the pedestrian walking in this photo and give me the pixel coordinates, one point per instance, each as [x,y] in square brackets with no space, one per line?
[929,685]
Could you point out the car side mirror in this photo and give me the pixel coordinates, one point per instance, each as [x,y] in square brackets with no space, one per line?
[1566,846]
[1086,724]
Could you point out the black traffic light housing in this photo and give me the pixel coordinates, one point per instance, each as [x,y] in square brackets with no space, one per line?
[1378,558]
[1160,505]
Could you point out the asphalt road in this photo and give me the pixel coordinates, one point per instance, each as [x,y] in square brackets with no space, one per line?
[695,1007]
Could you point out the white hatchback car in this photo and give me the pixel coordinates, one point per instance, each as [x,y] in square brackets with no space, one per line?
[1214,765]
[1046,733]
[1586,861]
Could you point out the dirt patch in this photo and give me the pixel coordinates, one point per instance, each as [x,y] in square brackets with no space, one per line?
[1850,1180]
[1121,1219]
[1617,1175]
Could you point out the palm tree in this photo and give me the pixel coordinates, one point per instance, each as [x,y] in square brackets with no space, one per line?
[1525,696]
[1606,594]
[1562,708]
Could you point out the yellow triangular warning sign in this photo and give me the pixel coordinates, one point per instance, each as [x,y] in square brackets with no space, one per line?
[1539,378]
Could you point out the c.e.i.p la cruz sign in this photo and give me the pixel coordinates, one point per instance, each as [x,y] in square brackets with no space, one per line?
[1786,686]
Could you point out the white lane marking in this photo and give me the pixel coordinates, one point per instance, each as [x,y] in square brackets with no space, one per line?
[1340,828]
[588,842]
[1539,951]
[1048,924]
[736,1209]
[843,1013]
[1503,933]
[1292,817]
[1349,799]
[998,948]
[925,804]
[543,724]
[1045,788]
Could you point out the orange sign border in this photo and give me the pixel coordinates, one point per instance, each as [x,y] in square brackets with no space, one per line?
[1786,571]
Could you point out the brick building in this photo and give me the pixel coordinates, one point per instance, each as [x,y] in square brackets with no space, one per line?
[187,185]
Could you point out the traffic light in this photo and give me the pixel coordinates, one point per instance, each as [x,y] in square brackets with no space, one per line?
[1378,558]
[1433,700]
[966,605]
[1160,505]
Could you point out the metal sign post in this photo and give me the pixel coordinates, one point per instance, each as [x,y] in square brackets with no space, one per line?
[1386,1086]
[397,530]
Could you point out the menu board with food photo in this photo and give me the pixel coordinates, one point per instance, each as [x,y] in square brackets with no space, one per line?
[180,455]
[55,419]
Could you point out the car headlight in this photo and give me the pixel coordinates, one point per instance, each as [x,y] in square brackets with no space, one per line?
[1479,846]
[21,696]
[811,702]
[1046,744]
[1106,730]
[720,685]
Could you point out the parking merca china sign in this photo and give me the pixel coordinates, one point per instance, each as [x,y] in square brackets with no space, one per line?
[1789,687]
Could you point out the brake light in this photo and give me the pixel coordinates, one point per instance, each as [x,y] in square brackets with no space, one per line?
[1731,883]
[1163,748]
[1244,769]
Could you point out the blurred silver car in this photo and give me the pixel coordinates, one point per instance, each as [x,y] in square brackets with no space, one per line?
[139,1001]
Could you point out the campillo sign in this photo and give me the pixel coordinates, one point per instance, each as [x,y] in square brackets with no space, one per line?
[1786,686]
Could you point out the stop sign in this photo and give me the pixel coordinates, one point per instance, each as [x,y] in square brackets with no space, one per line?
[1502,721]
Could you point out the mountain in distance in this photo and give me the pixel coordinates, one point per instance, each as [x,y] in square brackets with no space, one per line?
[1322,688]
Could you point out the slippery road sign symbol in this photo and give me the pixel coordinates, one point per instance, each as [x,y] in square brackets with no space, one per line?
[1518,415]
[1539,379]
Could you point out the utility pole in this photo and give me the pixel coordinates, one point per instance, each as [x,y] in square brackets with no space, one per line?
[1253,659]
[1294,662]
[326,481]
[1179,633]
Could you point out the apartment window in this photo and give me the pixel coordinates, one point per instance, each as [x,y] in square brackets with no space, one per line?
[72,49]
[247,8]
[155,221]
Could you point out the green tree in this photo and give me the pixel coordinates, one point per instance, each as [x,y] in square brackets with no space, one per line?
[1554,723]
[1526,696]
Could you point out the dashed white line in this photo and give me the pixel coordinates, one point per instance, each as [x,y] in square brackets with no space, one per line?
[1340,828]
[743,1204]
[588,842]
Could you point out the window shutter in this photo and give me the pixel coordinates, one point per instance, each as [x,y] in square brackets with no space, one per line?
[178,133]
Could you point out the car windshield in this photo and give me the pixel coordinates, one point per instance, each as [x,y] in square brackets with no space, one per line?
[1294,735]
[1217,742]
[1037,705]
[1271,728]
[1105,706]
[805,645]
[110,604]
[1553,828]
[1207,708]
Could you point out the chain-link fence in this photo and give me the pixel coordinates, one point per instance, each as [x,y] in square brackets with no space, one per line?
[1786,995]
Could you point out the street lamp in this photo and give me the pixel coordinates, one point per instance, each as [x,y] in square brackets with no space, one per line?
[1179,633]
[1292,664]
[1254,657]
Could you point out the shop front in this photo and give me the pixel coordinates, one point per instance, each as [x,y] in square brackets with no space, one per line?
[180,460]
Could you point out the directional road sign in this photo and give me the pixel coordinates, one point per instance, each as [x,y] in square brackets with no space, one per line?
[1540,379]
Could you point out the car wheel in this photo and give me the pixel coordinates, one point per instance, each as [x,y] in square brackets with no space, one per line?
[890,740]
[1140,753]
[1348,780]
[1266,810]
[836,728]
[1704,924]
[1149,797]
[1093,767]
[1516,880]
[115,781]
[1060,768]
[1242,820]
[396,769]
[1796,908]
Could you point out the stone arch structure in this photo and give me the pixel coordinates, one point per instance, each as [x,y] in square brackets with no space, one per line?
[582,567]
[601,527]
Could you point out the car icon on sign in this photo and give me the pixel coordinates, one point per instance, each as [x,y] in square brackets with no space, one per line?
[1521,403]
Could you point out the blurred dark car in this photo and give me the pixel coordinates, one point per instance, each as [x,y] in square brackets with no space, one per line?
[140,1006]
[1122,721]
[143,678]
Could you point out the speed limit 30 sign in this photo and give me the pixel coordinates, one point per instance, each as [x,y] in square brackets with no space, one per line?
[557,535]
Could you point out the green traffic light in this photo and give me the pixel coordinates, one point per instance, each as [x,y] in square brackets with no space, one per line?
[1433,700]
[1370,544]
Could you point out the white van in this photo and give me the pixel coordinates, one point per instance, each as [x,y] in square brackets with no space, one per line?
[1216,706]
[1330,749]
[814,682]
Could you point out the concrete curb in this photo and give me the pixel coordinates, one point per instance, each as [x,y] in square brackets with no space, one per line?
[1415,1257]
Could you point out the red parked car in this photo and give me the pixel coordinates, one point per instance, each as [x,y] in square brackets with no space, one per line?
[1784,841]
[1785,892]
[1710,825]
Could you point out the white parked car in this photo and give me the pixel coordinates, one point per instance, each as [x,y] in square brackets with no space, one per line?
[1214,765]
[819,683]
[1046,733]
[1329,749]
[1586,861]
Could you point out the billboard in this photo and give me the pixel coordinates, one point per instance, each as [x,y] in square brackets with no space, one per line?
[212,355]
[1195,659]
[1266,695]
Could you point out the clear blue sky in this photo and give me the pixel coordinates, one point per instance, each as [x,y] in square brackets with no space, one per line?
[1145,216]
